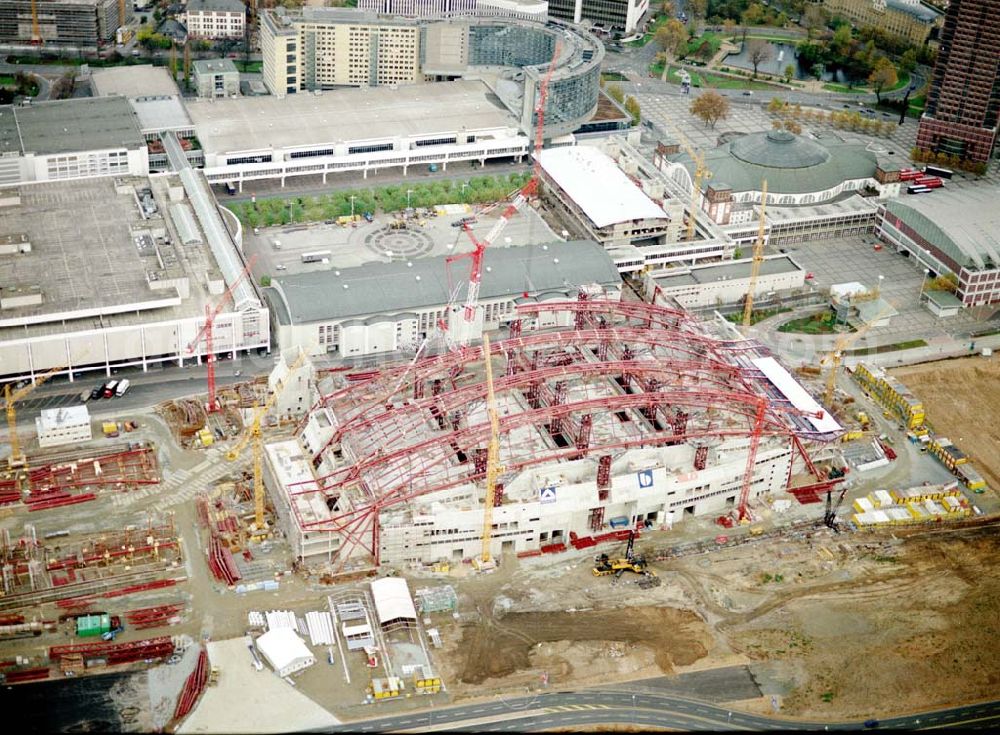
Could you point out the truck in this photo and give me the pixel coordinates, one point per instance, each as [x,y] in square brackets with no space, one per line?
[110,387]
[348,219]
[110,429]
[432,168]
[117,626]
[122,388]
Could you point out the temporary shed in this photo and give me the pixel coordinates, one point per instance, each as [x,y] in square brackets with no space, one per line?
[393,603]
[285,651]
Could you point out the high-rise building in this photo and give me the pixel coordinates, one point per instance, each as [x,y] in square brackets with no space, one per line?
[620,15]
[964,97]
[62,22]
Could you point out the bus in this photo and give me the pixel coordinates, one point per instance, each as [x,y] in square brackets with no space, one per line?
[909,174]
[917,189]
[122,388]
[316,256]
[931,182]
[937,171]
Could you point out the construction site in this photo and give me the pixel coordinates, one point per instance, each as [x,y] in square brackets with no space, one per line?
[548,477]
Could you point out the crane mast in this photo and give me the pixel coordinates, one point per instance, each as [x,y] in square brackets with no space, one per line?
[515,205]
[492,457]
[758,257]
[206,332]
[701,173]
[11,397]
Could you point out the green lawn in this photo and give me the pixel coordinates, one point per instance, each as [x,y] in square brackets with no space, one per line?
[818,323]
[9,81]
[613,76]
[755,315]
[653,28]
[714,40]
[903,81]
[249,67]
[282,211]
[894,347]
[707,79]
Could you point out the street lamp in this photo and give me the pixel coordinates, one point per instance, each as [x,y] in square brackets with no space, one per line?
[408,192]
[923,284]
[464,187]
[352,207]
[878,290]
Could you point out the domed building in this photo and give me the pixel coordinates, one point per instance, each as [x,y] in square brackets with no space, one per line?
[799,171]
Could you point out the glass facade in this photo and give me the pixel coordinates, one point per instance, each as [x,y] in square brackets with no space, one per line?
[575,86]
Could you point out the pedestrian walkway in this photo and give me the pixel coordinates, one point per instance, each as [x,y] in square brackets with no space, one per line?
[181,486]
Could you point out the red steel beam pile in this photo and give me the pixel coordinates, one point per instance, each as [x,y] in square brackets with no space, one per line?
[117,653]
[193,687]
[12,619]
[75,602]
[61,500]
[156,584]
[220,561]
[99,555]
[38,674]
[153,617]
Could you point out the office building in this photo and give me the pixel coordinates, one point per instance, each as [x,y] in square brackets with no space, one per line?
[910,19]
[609,15]
[84,23]
[216,78]
[964,98]
[215,18]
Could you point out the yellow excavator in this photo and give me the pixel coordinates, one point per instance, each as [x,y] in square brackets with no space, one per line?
[604,565]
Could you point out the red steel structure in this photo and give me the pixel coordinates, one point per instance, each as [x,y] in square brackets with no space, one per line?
[652,365]
[206,332]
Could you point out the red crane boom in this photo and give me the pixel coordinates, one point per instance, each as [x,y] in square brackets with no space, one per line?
[206,331]
[523,194]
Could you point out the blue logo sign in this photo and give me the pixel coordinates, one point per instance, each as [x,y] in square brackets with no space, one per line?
[547,495]
[645,479]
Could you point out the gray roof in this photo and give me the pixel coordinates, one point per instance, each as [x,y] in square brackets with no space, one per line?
[389,288]
[140,80]
[728,271]
[963,224]
[943,299]
[919,11]
[215,66]
[10,139]
[83,124]
[790,163]
[232,6]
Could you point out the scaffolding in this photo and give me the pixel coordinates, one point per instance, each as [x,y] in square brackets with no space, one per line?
[436,599]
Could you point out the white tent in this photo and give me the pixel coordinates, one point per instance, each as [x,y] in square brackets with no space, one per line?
[393,603]
[285,651]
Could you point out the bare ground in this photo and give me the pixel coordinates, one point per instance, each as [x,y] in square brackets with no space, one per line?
[962,401]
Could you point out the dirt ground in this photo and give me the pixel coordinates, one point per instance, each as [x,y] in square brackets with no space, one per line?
[840,626]
[962,401]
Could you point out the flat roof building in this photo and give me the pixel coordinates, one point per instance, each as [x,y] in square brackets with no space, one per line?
[70,139]
[83,23]
[353,130]
[384,307]
[110,282]
[56,427]
[216,78]
[133,81]
[720,284]
[215,18]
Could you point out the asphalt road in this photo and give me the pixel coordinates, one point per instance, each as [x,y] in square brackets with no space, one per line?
[590,707]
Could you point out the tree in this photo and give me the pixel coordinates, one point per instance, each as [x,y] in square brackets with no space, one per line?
[729,28]
[615,92]
[908,61]
[672,37]
[758,51]
[710,107]
[63,87]
[753,15]
[697,8]
[789,72]
[632,108]
[883,76]
[668,8]
[841,39]
[812,19]
[793,127]
[775,105]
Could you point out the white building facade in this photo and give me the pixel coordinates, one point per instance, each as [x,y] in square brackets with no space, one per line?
[215,19]
[59,426]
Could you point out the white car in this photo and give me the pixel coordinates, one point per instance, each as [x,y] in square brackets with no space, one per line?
[281,268]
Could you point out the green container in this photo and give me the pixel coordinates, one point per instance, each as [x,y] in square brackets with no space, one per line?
[93,625]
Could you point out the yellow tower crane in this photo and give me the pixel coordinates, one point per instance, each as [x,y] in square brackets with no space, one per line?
[254,434]
[758,257]
[36,29]
[11,397]
[701,173]
[835,356]
[493,468]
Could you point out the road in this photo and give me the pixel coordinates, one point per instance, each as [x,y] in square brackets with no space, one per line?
[591,707]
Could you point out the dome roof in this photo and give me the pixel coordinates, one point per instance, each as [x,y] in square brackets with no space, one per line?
[779,149]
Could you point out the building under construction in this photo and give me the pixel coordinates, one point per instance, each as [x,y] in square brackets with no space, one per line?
[63,22]
[631,416]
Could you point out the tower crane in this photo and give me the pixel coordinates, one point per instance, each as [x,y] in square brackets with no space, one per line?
[701,173]
[36,29]
[206,331]
[493,468]
[259,527]
[518,201]
[758,257]
[11,397]
[835,356]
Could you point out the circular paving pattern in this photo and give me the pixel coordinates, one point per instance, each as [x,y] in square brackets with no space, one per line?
[398,244]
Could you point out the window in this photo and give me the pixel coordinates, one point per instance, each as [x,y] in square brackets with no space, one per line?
[374,148]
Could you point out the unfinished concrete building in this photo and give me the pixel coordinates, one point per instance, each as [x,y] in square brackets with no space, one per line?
[63,22]
[633,416]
